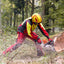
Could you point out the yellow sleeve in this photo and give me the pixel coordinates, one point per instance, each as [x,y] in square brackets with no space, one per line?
[29,29]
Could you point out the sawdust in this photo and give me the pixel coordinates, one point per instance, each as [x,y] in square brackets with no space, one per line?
[31,58]
[59,44]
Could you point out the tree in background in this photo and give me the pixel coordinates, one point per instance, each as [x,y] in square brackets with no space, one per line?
[53,14]
[15,11]
[26,8]
[32,7]
[19,6]
[0,13]
[0,18]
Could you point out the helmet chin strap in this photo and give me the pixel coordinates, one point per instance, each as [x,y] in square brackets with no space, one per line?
[36,20]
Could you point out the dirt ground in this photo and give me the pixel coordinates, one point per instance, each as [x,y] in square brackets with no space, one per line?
[26,54]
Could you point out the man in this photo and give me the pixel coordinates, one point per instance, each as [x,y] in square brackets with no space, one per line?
[26,30]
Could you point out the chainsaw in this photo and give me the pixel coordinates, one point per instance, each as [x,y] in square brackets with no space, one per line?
[49,43]
[57,46]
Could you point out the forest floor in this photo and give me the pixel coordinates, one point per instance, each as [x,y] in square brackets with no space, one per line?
[26,53]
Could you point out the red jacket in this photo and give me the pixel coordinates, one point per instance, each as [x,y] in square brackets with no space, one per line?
[28,26]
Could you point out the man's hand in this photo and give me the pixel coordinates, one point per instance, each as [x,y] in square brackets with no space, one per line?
[51,42]
[50,39]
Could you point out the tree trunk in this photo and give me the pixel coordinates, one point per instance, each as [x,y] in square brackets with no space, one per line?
[47,13]
[0,20]
[32,11]
[26,9]
[22,14]
[17,20]
[14,18]
[53,30]
[11,16]
[0,14]
[11,19]
[7,23]
[43,9]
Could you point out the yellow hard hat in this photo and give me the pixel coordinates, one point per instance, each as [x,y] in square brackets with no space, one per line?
[36,18]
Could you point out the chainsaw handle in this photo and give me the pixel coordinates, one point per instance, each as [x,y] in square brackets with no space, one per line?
[49,43]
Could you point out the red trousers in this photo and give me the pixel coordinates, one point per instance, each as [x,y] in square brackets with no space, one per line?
[20,39]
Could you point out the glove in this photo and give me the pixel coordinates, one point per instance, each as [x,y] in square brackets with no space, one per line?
[39,41]
[50,39]
[51,42]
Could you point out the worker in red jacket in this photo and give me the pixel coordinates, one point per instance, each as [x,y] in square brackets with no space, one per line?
[26,30]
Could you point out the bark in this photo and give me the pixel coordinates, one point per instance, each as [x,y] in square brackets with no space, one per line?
[14,18]
[53,30]
[47,13]
[11,16]
[32,11]
[7,23]
[26,9]
[0,14]
[23,14]
[43,9]
[17,20]
[0,20]
[11,19]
